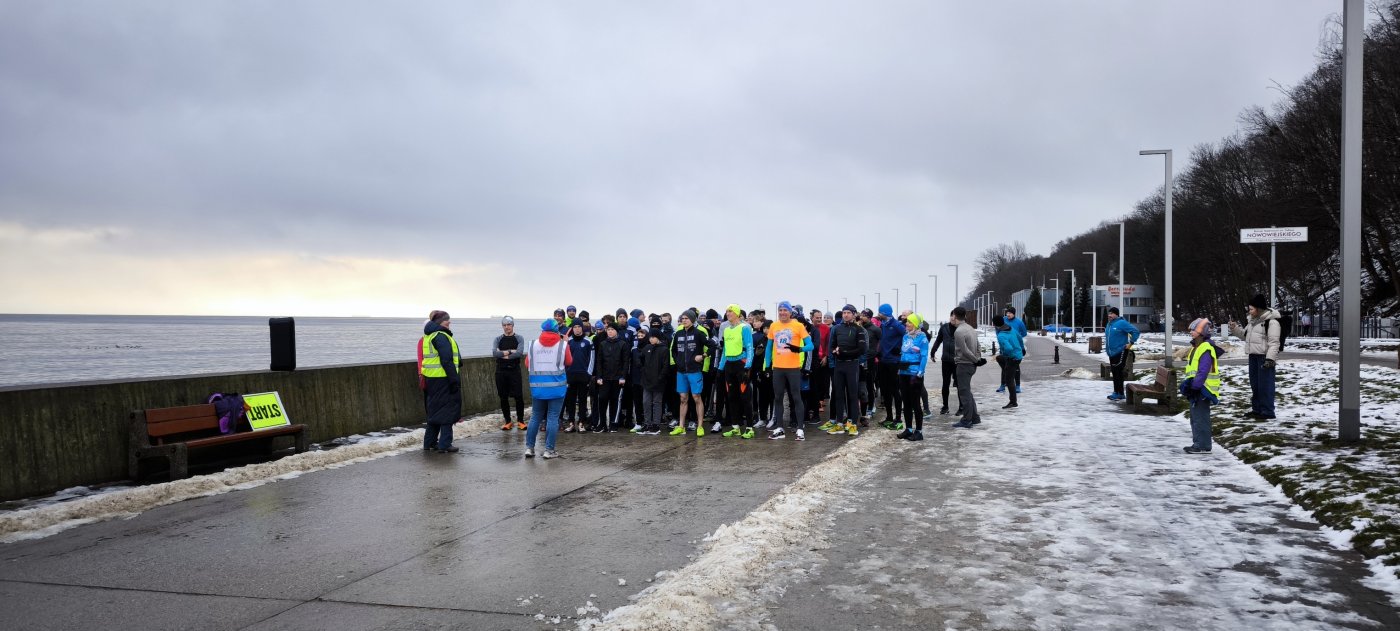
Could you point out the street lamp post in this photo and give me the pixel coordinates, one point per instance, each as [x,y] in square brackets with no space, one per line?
[1056,280]
[1349,333]
[935,294]
[1122,227]
[897,306]
[1094,294]
[1167,219]
[957,297]
[877,301]
[1072,299]
[1042,307]
[862,302]
[916,297]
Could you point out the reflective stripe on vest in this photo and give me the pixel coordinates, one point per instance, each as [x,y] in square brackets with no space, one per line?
[1193,366]
[547,378]
[432,364]
[733,340]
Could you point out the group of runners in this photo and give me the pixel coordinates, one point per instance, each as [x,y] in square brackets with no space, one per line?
[737,373]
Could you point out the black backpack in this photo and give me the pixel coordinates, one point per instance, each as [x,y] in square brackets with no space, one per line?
[1285,323]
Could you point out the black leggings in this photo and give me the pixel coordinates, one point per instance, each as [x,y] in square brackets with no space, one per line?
[913,389]
[508,386]
[949,368]
[736,398]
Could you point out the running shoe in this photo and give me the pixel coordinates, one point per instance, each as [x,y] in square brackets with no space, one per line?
[636,429]
[851,429]
[776,434]
[905,435]
[1001,388]
[507,426]
[699,431]
[529,452]
[825,426]
[550,453]
[834,429]
[735,431]
[651,430]
[521,426]
[678,431]
[716,427]
[748,433]
[1018,389]
[889,424]
[800,435]
[918,435]
[569,429]
[928,415]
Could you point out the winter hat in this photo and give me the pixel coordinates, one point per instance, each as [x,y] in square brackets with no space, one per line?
[797,310]
[867,313]
[711,314]
[620,311]
[507,320]
[571,308]
[886,310]
[690,313]
[583,315]
[1259,302]
[1203,327]
[634,323]
[438,315]
[547,326]
[734,309]
[637,313]
[558,312]
[784,305]
[915,319]
[851,308]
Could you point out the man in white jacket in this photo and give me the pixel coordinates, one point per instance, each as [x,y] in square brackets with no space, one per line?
[1261,337]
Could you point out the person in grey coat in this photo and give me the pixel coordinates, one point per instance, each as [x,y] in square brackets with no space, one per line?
[1261,337]
[967,356]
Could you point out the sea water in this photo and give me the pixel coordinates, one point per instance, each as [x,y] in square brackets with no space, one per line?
[48,349]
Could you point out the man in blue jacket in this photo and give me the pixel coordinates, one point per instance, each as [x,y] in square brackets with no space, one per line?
[1121,336]
[1018,326]
[891,338]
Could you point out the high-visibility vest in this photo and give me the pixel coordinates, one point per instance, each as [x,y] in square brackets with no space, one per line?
[432,364]
[547,378]
[733,339]
[1193,366]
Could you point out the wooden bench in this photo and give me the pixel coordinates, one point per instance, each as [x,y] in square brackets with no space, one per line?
[1163,390]
[172,433]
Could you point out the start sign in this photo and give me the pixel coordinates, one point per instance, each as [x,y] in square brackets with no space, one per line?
[265,410]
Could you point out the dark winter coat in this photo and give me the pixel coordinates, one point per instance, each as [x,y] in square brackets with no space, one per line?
[442,396]
[614,359]
[655,359]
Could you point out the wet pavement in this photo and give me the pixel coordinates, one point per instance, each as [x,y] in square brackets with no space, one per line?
[419,540]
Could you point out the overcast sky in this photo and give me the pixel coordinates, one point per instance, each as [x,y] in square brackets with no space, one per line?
[370,158]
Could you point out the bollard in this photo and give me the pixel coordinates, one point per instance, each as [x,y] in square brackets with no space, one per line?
[994,348]
[1057,353]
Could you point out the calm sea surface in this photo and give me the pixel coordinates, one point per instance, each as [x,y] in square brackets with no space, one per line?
[37,349]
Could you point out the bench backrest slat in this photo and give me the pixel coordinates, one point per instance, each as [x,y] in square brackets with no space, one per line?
[1163,376]
[170,421]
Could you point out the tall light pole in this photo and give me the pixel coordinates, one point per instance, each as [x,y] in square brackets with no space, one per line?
[916,297]
[935,294]
[1056,280]
[957,297]
[862,302]
[1072,299]
[897,307]
[1094,294]
[1167,219]
[1122,228]
[1349,366]
[877,301]
[1042,307]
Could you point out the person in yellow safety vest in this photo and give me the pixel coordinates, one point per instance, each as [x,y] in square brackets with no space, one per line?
[442,394]
[1201,384]
[735,362]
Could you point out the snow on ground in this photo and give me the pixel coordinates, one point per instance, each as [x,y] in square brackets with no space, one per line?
[1353,488]
[1089,518]
[738,571]
[48,516]
[1378,346]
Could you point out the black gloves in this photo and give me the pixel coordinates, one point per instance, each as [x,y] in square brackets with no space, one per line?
[981,361]
[1269,364]
[794,348]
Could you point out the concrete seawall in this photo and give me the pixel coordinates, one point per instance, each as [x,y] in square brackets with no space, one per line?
[59,436]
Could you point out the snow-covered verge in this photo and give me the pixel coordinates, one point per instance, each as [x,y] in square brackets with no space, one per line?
[1354,489]
[51,516]
[735,570]
[1379,346]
